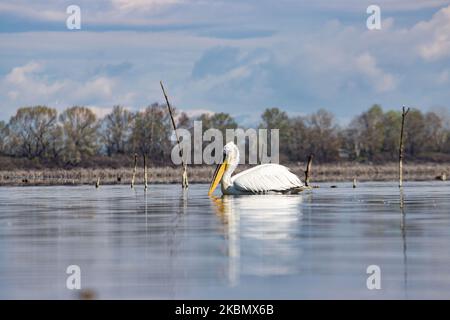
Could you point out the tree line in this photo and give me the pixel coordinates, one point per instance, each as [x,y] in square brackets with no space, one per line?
[372,136]
[77,135]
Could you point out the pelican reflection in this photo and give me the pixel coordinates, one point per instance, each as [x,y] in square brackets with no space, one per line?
[263,223]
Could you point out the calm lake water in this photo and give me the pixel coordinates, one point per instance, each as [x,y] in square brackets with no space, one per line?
[166,244]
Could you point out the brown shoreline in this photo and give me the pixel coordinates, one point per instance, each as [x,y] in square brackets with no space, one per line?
[203,174]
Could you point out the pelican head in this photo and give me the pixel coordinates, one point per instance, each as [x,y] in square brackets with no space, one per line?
[228,165]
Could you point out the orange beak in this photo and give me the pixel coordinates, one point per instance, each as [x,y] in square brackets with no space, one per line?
[218,174]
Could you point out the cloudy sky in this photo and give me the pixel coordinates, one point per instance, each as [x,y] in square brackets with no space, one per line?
[237,56]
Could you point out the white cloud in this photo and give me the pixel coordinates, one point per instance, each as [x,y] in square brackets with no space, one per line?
[143,4]
[19,75]
[390,5]
[38,12]
[436,43]
[29,85]
[194,113]
[97,88]
[300,67]
[213,81]
[382,81]
[26,80]
[106,12]
[100,112]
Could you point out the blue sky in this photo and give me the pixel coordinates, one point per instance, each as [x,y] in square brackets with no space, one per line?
[233,56]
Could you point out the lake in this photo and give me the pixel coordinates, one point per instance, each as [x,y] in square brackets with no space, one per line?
[171,244]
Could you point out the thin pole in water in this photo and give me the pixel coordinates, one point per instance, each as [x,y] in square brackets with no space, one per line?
[145,173]
[184,182]
[400,151]
[134,170]
[308,169]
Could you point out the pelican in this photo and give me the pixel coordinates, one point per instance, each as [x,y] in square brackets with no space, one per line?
[264,178]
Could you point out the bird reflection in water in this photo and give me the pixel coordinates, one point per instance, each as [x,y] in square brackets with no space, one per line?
[264,223]
[224,209]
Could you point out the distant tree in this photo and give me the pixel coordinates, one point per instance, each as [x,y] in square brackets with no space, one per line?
[446,144]
[35,133]
[56,146]
[439,118]
[79,127]
[3,136]
[369,128]
[184,121]
[415,134]
[392,123]
[350,143]
[116,130]
[444,114]
[274,118]
[322,136]
[151,134]
[435,133]
[220,121]
[32,131]
[297,145]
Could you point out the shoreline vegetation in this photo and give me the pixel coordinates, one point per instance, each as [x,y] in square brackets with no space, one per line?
[77,137]
[41,146]
[330,173]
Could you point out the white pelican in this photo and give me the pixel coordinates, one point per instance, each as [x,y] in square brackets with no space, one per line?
[264,178]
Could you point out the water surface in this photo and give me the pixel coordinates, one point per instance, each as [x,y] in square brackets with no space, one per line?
[174,245]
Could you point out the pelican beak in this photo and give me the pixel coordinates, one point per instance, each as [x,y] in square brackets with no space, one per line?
[220,170]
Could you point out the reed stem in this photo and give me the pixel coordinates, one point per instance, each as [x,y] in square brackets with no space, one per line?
[134,171]
[184,182]
[400,151]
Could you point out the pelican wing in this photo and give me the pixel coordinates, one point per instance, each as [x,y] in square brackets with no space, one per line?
[266,178]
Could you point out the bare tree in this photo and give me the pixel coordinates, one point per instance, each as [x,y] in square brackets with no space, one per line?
[392,122]
[296,148]
[435,134]
[31,131]
[3,136]
[415,134]
[116,130]
[220,121]
[369,128]
[322,136]
[151,133]
[274,118]
[184,121]
[80,134]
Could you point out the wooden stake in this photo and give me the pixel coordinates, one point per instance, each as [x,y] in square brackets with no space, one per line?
[400,151]
[354,183]
[145,173]
[184,181]
[308,169]
[97,183]
[134,170]
[402,200]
